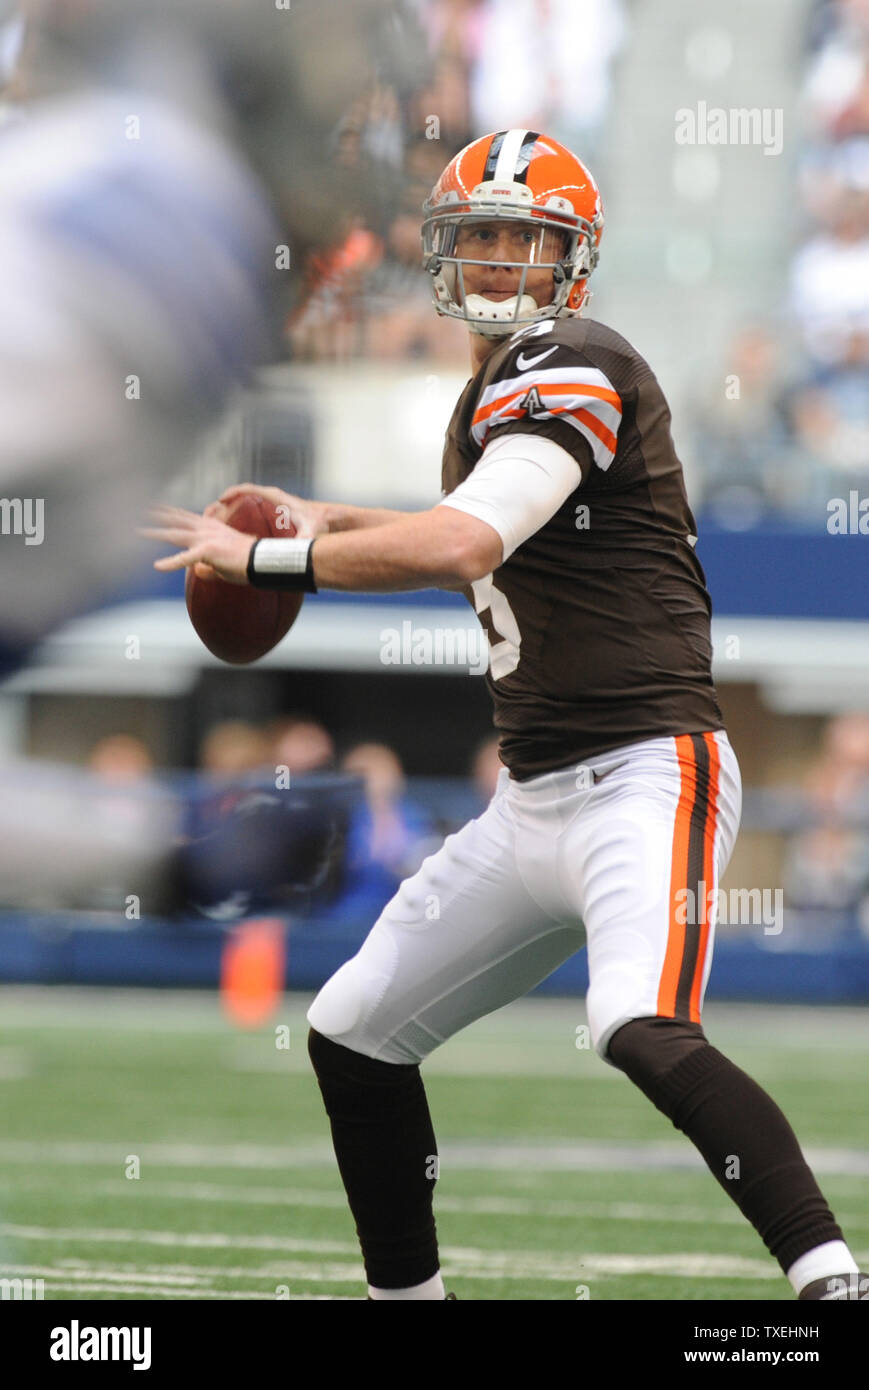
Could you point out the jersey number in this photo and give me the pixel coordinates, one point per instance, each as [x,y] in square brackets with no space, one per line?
[502,630]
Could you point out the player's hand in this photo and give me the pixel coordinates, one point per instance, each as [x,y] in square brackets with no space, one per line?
[309,518]
[212,549]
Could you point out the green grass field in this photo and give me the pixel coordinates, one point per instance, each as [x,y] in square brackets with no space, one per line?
[554,1172]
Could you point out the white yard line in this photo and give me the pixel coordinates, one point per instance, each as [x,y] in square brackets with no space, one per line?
[583,1268]
[475,1262]
[224,1193]
[658,1214]
[172,1155]
[66,1273]
[83,1270]
[168,1273]
[504,1154]
[191,1240]
[155,1291]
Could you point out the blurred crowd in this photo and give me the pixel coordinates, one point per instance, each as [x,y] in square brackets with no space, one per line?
[801,433]
[826,869]
[392,827]
[277,816]
[371,299]
[273,817]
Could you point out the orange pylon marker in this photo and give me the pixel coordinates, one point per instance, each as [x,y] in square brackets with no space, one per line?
[252,971]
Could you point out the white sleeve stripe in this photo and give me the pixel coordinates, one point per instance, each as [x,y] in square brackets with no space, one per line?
[587,376]
[603,456]
[552,407]
[517,485]
[592,393]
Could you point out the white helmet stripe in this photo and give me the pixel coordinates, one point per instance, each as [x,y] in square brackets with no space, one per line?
[508,155]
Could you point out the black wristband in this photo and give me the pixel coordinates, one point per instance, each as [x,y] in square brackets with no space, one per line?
[287,565]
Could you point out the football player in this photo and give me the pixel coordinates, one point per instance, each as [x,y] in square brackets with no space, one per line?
[566,523]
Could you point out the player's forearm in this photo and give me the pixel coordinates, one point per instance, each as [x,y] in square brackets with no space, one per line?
[341,517]
[435,549]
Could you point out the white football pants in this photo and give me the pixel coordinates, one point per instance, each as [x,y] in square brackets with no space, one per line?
[623,853]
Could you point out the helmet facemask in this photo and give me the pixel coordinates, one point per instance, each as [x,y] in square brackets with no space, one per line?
[493,318]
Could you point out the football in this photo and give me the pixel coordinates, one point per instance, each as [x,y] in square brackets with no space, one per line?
[236,622]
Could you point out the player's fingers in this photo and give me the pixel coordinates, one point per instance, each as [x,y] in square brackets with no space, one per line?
[162,511]
[174,535]
[205,571]
[176,562]
[216,509]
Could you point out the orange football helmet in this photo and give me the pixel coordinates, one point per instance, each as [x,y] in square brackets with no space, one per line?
[524,176]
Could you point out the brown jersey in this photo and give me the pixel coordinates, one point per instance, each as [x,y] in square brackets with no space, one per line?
[598,624]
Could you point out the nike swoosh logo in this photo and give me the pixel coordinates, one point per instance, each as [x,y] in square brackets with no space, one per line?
[523,362]
[599,776]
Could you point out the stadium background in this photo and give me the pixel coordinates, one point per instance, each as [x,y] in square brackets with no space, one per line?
[171,824]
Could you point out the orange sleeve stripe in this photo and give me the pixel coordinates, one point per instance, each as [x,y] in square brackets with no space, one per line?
[562,388]
[708,874]
[669,982]
[591,422]
[606,437]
